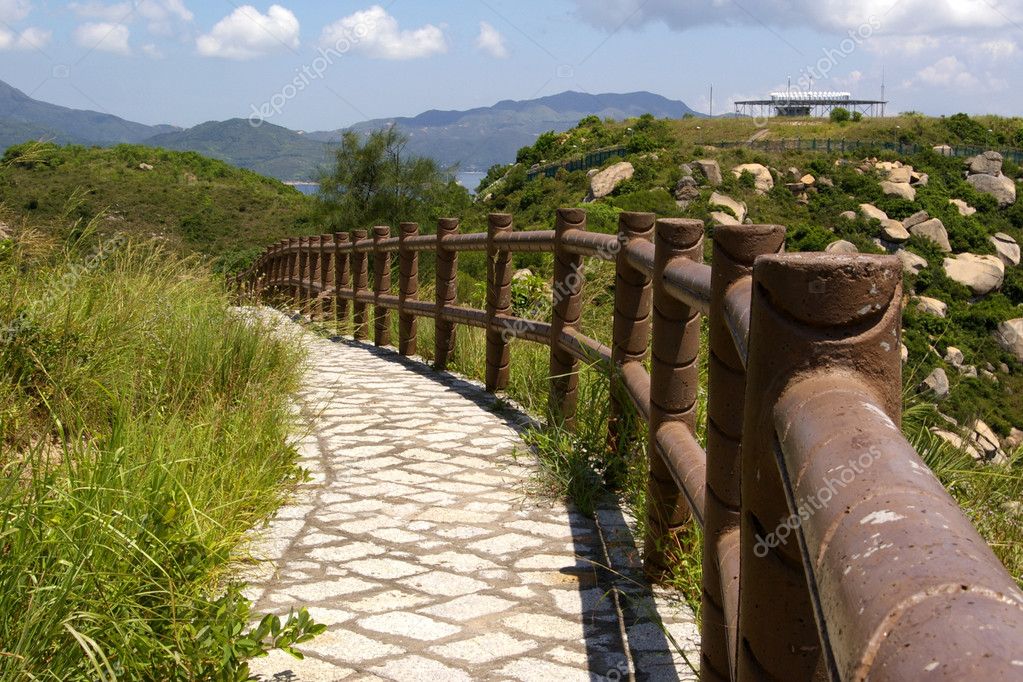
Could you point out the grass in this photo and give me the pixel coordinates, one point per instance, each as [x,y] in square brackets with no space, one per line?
[144,430]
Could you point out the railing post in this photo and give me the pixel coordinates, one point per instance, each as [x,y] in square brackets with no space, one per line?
[342,243]
[381,286]
[631,331]
[567,308]
[313,270]
[499,277]
[360,285]
[446,294]
[810,312]
[326,277]
[303,274]
[293,245]
[735,249]
[674,383]
[408,289]
[279,269]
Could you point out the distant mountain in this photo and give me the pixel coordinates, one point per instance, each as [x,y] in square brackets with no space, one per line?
[474,140]
[478,138]
[23,118]
[268,149]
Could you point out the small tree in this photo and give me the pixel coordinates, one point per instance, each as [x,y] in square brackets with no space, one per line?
[840,115]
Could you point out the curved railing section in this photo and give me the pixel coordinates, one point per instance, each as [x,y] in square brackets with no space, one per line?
[830,549]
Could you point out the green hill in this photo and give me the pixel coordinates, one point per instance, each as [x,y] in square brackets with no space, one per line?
[190,201]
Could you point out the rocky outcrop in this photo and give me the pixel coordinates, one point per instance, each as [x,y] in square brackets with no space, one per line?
[954,356]
[1010,337]
[932,306]
[964,208]
[936,384]
[893,231]
[958,442]
[911,263]
[899,189]
[1002,188]
[738,209]
[1006,248]
[764,181]
[986,442]
[711,170]
[916,219]
[687,190]
[871,212]
[722,218]
[935,231]
[988,163]
[981,274]
[842,247]
[607,180]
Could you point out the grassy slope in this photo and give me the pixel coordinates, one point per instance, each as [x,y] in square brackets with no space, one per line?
[195,203]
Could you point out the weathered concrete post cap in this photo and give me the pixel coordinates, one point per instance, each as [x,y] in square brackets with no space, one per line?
[571,216]
[745,242]
[499,220]
[680,233]
[381,230]
[409,228]
[823,289]
[631,221]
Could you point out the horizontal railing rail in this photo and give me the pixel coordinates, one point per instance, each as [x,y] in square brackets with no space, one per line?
[830,550]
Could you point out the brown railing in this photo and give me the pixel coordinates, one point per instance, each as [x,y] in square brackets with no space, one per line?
[831,550]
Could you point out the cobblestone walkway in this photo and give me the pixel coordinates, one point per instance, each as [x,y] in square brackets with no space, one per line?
[417,542]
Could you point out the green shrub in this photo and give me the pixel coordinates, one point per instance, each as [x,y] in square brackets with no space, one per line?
[840,115]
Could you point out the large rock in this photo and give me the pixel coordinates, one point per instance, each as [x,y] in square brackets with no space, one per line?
[605,182]
[982,274]
[935,231]
[711,169]
[1010,337]
[842,247]
[761,174]
[986,442]
[738,209]
[954,356]
[932,306]
[916,219]
[964,208]
[899,189]
[901,175]
[911,263]
[936,384]
[989,163]
[847,215]
[871,212]
[943,150]
[722,218]
[1006,248]
[893,231]
[999,186]
[957,442]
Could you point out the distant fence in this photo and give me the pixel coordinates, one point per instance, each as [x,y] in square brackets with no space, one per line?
[830,549]
[601,156]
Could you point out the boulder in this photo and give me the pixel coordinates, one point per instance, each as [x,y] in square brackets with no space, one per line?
[1006,248]
[912,264]
[957,442]
[871,212]
[738,209]
[722,218]
[920,179]
[901,175]
[605,182]
[847,215]
[899,189]
[711,170]
[934,230]
[985,440]
[965,209]
[916,219]
[761,174]
[1000,187]
[893,231]
[687,193]
[932,306]
[904,353]
[936,384]
[842,247]
[808,180]
[1013,440]
[1010,337]
[988,163]
[943,150]
[968,371]
[982,274]
[954,356]
[145,167]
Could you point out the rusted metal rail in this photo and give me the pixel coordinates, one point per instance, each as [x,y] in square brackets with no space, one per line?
[830,550]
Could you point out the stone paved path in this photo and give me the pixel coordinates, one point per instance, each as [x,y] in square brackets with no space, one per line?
[417,542]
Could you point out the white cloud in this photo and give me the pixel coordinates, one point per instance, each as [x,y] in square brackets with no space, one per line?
[152,51]
[246,34]
[491,41]
[103,36]
[29,39]
[14,10]
[100,11]
[947,72]
[162,17]
[376,33]
[999,49]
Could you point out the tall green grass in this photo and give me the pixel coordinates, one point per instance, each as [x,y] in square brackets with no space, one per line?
[144,430]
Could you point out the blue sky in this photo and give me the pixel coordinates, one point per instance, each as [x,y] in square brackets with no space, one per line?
[324,65]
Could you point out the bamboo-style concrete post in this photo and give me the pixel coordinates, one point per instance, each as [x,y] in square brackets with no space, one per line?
[342,259]
[360,285]
[674,382]
[446,294]
[381,287]
[313,270]
[408,289]
[326,279]
[293,288]
[499,277]
[735,248]
[631,331]
[280,270]
[303,274]
[809,312]
[567,309]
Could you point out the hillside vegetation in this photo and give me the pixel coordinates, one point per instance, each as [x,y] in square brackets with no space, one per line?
[190,202]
